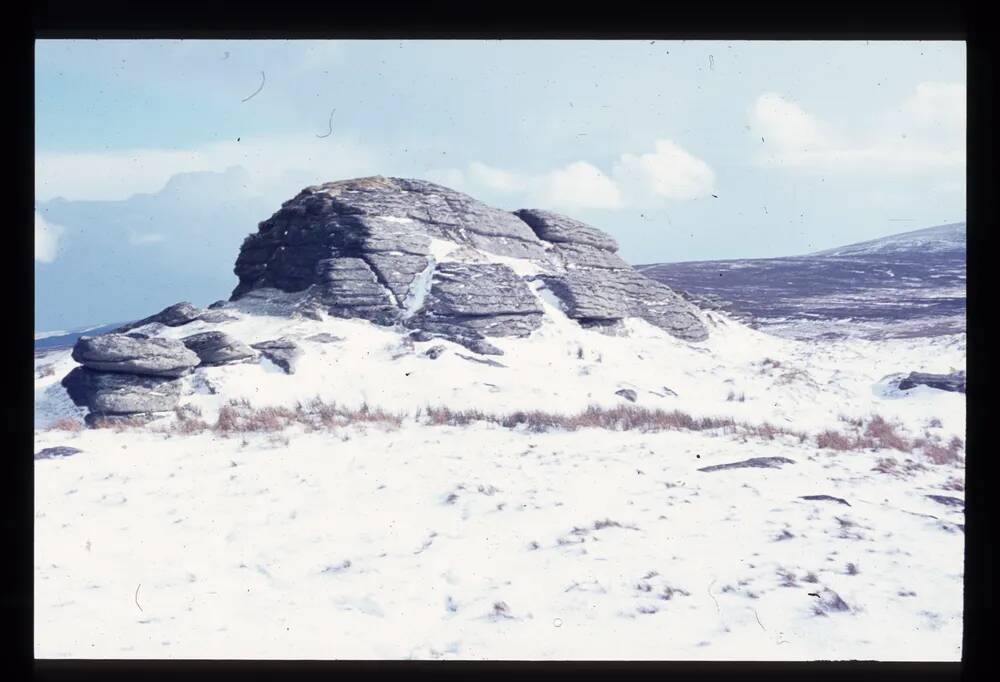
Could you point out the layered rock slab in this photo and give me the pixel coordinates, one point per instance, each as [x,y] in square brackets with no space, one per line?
[217,348]
[112,393]
[597,287]
[283,352]
[126,354]
[175,315]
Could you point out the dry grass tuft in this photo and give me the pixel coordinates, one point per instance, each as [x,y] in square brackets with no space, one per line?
[119,422]
[239,416]
[885,435]
[876,433]
[71,424]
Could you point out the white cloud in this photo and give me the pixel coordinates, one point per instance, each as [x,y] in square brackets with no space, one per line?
[926,132]
[46,239]
[577,185]
[495,178]
[937,105]
[269,160]
[668,172]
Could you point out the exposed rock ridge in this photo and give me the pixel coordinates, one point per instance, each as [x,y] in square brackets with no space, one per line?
[364,248]
[599,288]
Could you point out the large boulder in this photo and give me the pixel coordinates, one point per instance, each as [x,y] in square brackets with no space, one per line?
[114,393]
[175,315]
[217,348]
[125,354]
[388,222]
[944,382]
[283,352]
[393,250]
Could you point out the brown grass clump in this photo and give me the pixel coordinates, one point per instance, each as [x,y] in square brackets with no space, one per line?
[618,418]
[876,433]
[834,440]
[239,416]
[885,435]
[66,424]
[189,420]
[119,422]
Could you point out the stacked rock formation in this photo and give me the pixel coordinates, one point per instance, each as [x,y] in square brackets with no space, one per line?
[126,373]
[430,260]
[390,250]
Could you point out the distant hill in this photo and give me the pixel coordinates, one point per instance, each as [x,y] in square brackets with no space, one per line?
[908,284]
[937,239]
[65,339]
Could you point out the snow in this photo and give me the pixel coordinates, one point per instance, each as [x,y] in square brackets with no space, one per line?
[444,250]
[396,219]
[484,542]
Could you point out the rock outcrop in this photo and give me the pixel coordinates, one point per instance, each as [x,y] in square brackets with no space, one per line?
[121,353]
[406,253]
[57,452]
[217,348]
[115,393]
[409,252]
[943,382]
[282,352]
[127,374]
[599,288]
[175,315]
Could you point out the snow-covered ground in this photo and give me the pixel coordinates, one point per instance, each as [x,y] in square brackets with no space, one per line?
[487,542]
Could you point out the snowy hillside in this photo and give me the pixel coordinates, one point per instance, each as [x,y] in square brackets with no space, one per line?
[937,239]
[376,540]
[423,427]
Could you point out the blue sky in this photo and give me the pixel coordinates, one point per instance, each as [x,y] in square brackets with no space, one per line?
[804,145]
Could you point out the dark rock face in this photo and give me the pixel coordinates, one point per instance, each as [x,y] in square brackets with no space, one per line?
[124,354]
[481,361]
[363,248]
[558,229]
[947,500]
[172,316]
[282,352]
[215,317]
[943,382]
[825,498]
[431,329]
[481,299]
[350,288]
[752,463]
[595,294]
[57,452]
[628,394]
[598,287]
[434,352]
[114,393]
[323,337]
[217,348]
[387,222]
